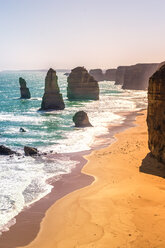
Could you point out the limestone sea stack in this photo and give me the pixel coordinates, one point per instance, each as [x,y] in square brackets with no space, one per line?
[156,114]
[136,77]
[120,72]
[81,85]
[110,75]
[52,99]
[25,93]
[97,74]
[81,119]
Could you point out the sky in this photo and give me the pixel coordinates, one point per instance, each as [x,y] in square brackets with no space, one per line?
[38,34]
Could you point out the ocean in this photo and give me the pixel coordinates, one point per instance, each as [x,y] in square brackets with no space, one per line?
[23,180]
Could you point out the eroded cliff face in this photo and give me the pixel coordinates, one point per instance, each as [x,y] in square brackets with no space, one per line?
[120,72]
[81,85]
[97,74]
[156,114]
[25,93]
[136,77]
[52,99]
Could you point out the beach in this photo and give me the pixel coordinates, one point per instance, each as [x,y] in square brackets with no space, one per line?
[124,205]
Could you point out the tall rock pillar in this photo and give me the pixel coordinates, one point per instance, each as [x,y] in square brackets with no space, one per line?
[52,99]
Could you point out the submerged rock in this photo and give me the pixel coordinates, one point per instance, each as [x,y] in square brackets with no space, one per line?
[81,119]
[52,99]
[30,151]
[22,130]
[81,85]
[97,74]
[156,114]
[25,93]
[66,74]
[6,151]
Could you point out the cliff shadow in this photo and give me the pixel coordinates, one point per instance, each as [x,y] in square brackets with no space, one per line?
[150,165]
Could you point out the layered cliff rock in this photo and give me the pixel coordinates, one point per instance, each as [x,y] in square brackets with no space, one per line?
[156,114]
[81,85]
[120,72]
[97,74]
[52,99]
[25,93]
[110,75]
[81,119]
[136,77]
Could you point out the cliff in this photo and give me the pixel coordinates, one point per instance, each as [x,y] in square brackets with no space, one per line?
[52,99]
[156,114]
[81,85]
[136,76]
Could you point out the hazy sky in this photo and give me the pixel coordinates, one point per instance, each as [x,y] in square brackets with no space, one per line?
[67,33]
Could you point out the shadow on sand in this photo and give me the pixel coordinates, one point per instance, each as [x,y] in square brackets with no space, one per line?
[150,165]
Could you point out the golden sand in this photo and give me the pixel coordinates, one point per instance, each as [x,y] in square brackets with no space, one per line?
[123,207]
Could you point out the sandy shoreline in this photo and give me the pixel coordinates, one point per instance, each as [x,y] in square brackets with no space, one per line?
[124,207]
[28,221]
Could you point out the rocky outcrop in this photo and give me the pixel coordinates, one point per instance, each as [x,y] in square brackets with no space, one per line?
[81,119]
[30,151]
[97,74]
[22,130]
[110,75]
[25,93]
[6,151]
[120,72]
[66,74]
[161,64]
[52,99]
[136,77]
[81,85]
[156,114]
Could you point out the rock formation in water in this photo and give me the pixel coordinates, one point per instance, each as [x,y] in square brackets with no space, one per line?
[22,130]
[30,151]
[136,77]
[120,72]
[81,119]
[6,151]
[52,99]
[81,85]
[156,114]
[66,74]
[110,75]
[97,74]
[25,93]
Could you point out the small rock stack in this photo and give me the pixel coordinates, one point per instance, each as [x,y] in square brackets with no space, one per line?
[156,114]
[81,85]
[52,99]
[25,93]
[81,119]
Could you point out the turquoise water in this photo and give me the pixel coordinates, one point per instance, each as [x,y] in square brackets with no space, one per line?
[23,180]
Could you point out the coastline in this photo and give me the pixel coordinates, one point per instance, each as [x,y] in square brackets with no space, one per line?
[124,207]
[28,221]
